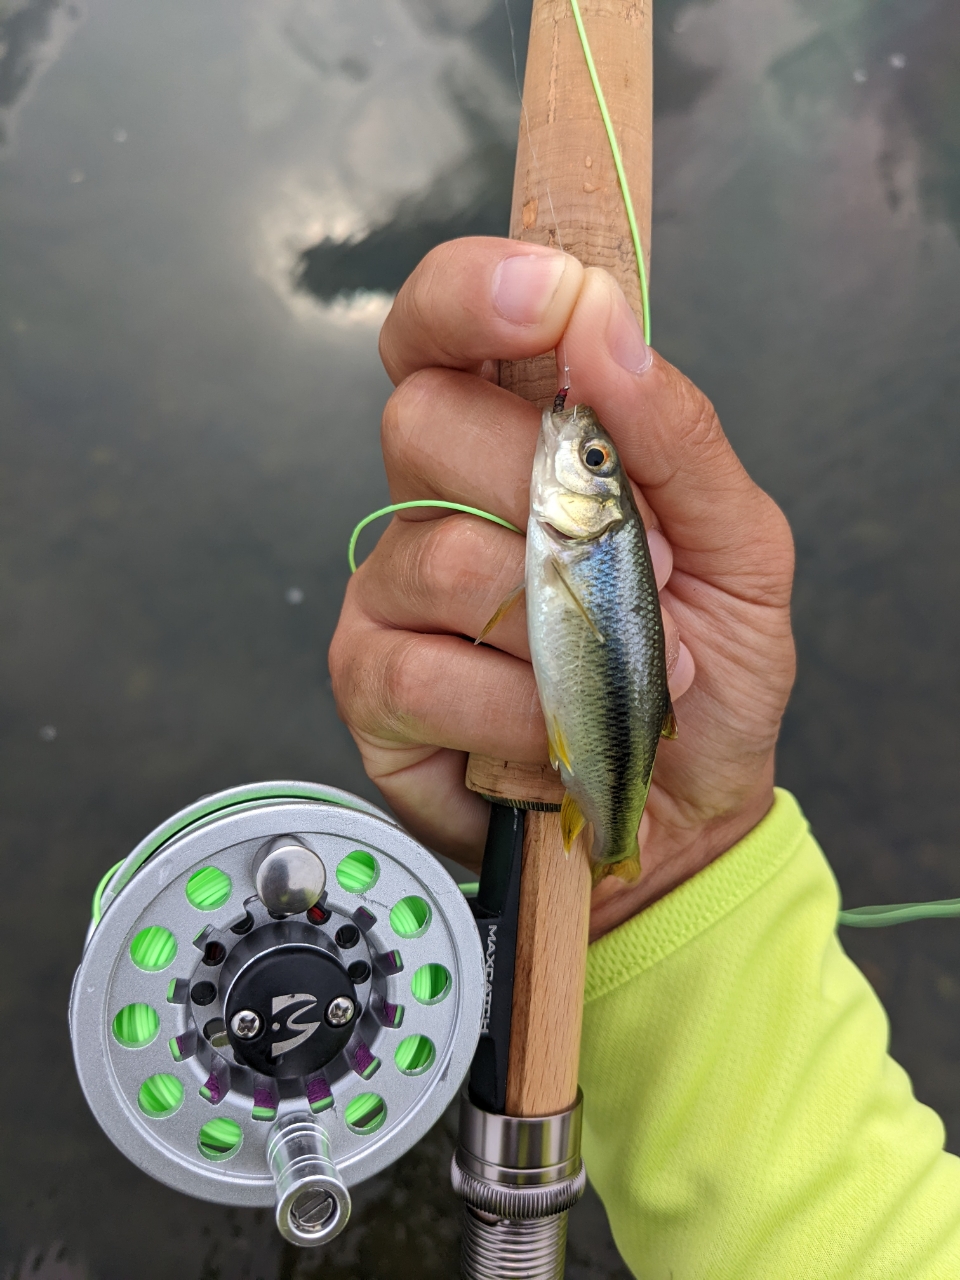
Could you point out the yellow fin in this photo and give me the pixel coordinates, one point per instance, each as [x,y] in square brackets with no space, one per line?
[571,592]
[506,604]
[557,743]
[627,870]
[669,727]
[572,820]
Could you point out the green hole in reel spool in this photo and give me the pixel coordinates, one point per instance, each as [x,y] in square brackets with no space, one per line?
[415,1055]
[220,1139]
[208,888]
[365,1113]
[358,872]
[410,918]
[136,1025]
[430,984]
[153,949]
[160,1096]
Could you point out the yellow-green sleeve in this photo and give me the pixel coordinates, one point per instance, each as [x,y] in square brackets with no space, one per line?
[742,1117]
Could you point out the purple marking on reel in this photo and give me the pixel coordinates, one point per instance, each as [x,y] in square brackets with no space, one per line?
[211,1090]
[364,1062]
[389,962]
[263,1098]
[364,919]
[318,1090]
[392,1014]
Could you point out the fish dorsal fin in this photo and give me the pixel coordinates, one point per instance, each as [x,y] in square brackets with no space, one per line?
[571,591]
[572,820]
[669,727]
[504,607]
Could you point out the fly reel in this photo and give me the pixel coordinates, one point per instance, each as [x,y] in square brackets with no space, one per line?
[280,993]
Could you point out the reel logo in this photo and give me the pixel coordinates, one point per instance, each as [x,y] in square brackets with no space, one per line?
[303,1030]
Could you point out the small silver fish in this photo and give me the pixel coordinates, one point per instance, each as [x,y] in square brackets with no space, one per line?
[596,635]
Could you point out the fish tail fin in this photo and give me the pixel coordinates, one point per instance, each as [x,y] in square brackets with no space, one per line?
[627,870]
[669,727]
[572,821]
[506,604]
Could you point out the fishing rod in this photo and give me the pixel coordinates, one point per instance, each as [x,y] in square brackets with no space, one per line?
[281,990]
[582,183]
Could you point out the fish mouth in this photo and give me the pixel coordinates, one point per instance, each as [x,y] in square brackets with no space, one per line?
[552,531]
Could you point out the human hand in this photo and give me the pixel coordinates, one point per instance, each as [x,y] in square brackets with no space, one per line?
[415,691]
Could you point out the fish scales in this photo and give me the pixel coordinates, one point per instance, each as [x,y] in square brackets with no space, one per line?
[595,628]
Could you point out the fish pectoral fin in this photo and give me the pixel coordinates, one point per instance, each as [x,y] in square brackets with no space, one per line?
[557,744]
[669,727]
[572,820]
[506,604]
[627,870]
[564,579]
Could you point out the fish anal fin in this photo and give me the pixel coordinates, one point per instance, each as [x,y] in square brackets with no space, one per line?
[564,579]
[627,870]
[669,727]
[557,743]
[506,604]
[572,820]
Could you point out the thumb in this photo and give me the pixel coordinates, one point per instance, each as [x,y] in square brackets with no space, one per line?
[720,524]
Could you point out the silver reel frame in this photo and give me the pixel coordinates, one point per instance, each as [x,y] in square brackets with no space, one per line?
[227,831]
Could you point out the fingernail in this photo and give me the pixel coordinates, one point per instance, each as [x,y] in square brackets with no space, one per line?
[625,336]
[524,285]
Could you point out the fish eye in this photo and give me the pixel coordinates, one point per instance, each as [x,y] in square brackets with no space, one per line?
[595,455]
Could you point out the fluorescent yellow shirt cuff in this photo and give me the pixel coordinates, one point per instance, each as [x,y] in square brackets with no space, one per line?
[742,1118]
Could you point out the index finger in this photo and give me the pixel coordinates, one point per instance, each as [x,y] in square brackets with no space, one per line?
[479,299]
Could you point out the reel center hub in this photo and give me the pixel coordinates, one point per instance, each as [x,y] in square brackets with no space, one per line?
[298,1002]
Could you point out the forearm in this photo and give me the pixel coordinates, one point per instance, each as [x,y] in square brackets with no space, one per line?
[742,1117]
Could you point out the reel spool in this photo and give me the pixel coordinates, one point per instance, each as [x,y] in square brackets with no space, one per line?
[280,993]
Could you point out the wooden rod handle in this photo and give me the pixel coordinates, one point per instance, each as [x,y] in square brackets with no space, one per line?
[566,194]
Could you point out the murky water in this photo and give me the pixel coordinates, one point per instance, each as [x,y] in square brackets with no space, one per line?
[203,210]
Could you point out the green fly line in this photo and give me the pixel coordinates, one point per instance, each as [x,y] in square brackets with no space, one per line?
[422,502]
[899,913]
[97,906]
[618,165]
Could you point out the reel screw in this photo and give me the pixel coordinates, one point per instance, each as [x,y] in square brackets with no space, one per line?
[339,1011]
[246,1025]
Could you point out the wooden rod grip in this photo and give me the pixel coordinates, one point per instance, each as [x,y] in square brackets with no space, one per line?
[566,194]
[549,972]
[565,188]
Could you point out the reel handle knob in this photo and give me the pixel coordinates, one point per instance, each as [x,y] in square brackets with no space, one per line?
[313,1203]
